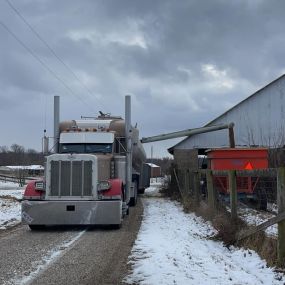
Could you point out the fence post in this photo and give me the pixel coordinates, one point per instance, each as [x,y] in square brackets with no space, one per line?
[233,193]
[185,182]
[281,208]
[196,186]
[178,183]
[212,198]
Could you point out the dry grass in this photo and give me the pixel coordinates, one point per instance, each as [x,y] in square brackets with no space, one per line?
[228,228]
[8,197]
[265,246]
[171,192]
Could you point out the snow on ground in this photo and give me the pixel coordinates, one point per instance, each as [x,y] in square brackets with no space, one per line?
[10,206]
[9,186]
[26,167]
[152,190]
[173,247]
[253,218]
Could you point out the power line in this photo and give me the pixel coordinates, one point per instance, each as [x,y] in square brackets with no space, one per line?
[41,61]
[50,49]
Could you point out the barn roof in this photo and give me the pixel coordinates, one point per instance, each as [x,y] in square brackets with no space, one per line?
[211,123]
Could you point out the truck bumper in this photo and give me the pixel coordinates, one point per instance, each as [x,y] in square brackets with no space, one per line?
[72,212]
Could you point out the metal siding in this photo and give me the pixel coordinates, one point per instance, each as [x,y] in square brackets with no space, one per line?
[259,120]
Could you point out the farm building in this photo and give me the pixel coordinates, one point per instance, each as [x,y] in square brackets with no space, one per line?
[259,122]
[153,170]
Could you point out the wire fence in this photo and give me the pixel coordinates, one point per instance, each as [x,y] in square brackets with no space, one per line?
[255,188]
[231,190]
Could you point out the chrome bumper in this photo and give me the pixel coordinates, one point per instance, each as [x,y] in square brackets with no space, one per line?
[72,212]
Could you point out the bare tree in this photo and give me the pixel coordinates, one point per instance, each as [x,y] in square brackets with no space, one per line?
[4,149]
[17,155]
[17,148]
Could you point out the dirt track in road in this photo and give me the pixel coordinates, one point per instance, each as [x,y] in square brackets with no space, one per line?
[68,256]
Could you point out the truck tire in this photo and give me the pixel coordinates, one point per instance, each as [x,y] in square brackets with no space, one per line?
[133,200]
[116,226]
[261,198]
[36,227]
[141,190]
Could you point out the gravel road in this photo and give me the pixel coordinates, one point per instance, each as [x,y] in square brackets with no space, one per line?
[69,255]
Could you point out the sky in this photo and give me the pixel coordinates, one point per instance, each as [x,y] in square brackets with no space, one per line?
[183,62]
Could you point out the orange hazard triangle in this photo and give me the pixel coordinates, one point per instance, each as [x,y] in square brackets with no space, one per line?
[248,166]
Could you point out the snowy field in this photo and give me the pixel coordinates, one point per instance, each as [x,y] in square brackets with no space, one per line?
[10,207]
[176,248]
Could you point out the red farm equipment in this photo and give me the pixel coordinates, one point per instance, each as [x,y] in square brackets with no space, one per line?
[240,159]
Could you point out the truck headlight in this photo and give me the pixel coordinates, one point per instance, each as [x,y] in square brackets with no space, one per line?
[104,185]
[39,185]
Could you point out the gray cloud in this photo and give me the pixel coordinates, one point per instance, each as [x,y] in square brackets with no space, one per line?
[185,62]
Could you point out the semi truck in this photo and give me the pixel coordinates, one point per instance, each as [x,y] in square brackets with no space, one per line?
[93,177]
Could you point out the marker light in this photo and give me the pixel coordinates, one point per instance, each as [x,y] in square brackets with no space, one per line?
[103,186]
[39,185]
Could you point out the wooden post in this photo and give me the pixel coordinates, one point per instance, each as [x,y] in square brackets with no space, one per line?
[233,193]
[212,197]
[191,184]
[187,183]
[178,184]
[232,136]
[281,208]
[261,227]
[196,186]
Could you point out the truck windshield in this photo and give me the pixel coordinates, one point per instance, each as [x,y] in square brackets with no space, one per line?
[86,148]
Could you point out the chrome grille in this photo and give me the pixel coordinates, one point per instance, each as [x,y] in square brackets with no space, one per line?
[71,178]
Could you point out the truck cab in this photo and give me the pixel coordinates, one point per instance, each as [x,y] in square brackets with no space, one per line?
[85,179]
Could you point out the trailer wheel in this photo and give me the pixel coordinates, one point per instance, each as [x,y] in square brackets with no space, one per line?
[133,200]
[261,199]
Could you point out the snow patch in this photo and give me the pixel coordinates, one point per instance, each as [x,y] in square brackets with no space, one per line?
[253,218]
[9,185]
[10,205]
[173,247]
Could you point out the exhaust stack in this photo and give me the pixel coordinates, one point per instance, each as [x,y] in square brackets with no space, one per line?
[45,144]
[56,124]
[128,136]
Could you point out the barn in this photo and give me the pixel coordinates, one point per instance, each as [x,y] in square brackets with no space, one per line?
[259,122]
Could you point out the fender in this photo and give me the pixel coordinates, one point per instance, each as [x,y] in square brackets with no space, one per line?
[31,193]
[116,189]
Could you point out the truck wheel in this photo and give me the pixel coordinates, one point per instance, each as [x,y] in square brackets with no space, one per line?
[141,190]
[133,200]
[36,227]
[261,199]
[117,226]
